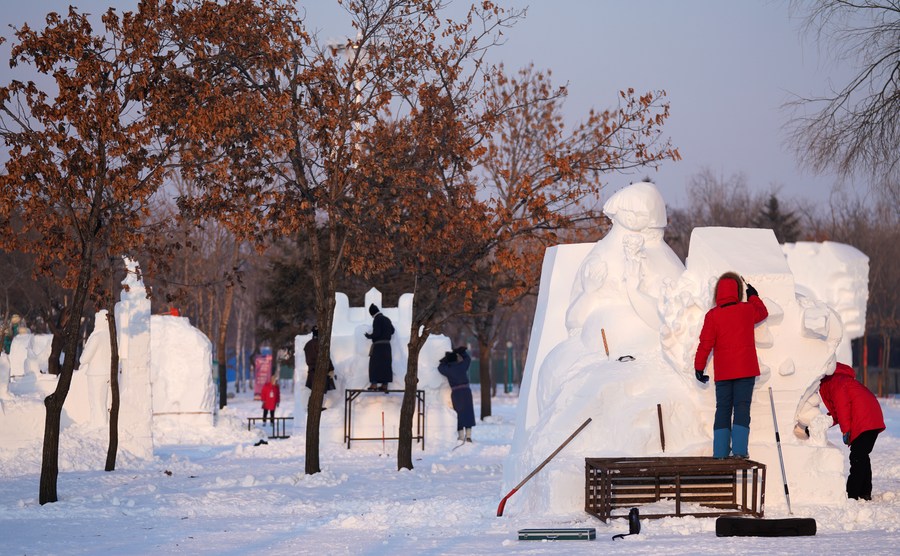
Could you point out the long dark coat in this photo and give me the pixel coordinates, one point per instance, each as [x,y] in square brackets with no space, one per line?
[457,374]
[380,368]
[311,352]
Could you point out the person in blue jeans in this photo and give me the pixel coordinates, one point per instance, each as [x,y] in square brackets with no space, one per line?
[728,333]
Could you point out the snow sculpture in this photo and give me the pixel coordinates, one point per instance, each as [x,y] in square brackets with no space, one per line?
[838,274]
[651,307]
[133,324]
[350,355]
[183,391]
[95,362]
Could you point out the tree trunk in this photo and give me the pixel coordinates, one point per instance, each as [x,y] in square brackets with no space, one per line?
[114,387]
[885,362]
[484,371]
[408,407]
[54,402]
[223,329]
[320,379]
[865,357]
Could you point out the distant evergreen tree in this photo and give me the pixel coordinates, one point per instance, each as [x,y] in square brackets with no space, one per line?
[786,225]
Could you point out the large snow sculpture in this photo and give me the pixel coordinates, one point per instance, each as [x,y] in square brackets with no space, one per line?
[620,282]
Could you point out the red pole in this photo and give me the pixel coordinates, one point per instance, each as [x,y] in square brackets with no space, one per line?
[382,432]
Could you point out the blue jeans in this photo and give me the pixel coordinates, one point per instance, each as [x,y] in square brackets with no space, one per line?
[733,399]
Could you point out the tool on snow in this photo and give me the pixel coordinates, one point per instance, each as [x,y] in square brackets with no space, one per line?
[662,433]
[539,467]
[634,524]
[605,345]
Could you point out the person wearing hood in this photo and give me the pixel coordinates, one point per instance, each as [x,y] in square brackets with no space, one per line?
[856,410]
[380,370]
[728,332]
[455,366]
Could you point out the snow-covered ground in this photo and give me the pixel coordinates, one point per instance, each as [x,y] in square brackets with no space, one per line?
[226,496]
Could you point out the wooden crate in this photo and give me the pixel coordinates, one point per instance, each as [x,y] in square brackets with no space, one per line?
[724,486]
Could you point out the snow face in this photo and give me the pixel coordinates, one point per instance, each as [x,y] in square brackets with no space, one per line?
[838,274]
[374,415]
[631,296]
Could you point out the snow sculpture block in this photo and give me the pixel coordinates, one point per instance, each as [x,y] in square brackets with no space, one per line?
[133,323]
[629,282]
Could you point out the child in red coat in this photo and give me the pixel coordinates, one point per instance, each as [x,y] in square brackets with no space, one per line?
[271,397]
[728,332]
[857,411]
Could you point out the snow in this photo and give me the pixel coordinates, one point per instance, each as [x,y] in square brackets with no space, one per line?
[227,496]
[191,481]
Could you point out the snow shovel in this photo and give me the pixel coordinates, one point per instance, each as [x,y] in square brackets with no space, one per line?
[749,527]
[539,467]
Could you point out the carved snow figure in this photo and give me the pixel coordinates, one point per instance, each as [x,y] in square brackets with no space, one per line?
[631,285]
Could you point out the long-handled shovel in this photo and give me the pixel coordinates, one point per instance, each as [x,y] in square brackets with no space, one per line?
[539,467]
[787,494]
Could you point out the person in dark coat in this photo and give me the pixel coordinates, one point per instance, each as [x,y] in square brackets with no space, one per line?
[311,352]
[857,411]
[455,366]
[728,331]
[380,370]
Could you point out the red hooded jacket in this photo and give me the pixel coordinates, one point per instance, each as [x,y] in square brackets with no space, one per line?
[728,329]
[850,404]
[271,396]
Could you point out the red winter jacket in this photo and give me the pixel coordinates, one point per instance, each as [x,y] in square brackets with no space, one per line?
[850,404]
[271,396]
[728,329]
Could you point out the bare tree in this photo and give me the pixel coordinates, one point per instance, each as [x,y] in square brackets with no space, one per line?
[855,129]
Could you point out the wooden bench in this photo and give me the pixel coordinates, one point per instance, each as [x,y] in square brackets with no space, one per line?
[279,425]
[724,486]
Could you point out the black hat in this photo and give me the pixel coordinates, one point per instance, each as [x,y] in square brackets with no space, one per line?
[315,331]
[449,357]
[373,309]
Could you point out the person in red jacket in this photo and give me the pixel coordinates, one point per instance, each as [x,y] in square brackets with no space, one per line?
[857,411]
[271,397]
[728,332]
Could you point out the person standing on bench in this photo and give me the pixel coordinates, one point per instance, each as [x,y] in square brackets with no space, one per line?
[857,411]
[271,397]
[380,369]
[728,332]
[455,366]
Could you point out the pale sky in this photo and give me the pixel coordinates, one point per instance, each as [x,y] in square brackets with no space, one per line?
[727,66]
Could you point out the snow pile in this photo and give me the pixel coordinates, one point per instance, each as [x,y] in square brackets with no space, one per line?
[629,294]
[350,356]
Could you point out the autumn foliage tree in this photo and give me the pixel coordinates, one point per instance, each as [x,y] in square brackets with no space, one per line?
[545,180]
[84,159]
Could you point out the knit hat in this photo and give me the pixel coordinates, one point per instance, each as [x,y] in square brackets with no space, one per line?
[373,309]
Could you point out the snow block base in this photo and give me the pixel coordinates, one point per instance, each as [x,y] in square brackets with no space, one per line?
[576,534]
[749,527]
